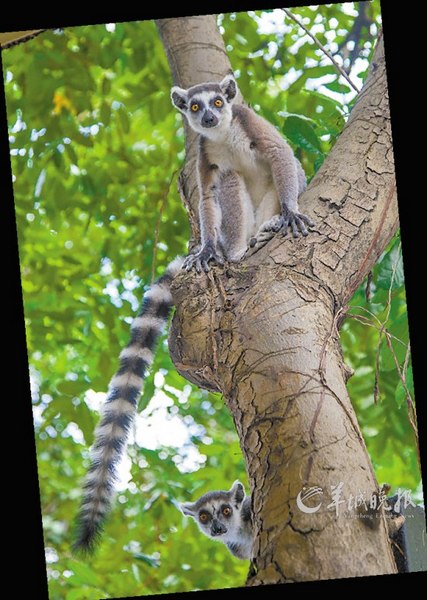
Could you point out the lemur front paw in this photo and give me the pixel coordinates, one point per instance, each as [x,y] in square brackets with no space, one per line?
[296,221]
[201,259]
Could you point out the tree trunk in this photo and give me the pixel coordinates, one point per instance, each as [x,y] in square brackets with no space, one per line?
[264,332]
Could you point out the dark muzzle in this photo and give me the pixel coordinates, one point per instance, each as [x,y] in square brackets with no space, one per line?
[209,119]
[217,528]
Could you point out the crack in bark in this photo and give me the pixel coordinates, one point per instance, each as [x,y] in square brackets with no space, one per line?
[251,367]
[316,416]
[322,372]
[305,532]
[358,277]
[213,330]
[281,572]
[312,451]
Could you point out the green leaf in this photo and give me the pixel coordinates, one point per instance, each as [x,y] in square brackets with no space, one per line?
[151,561]
[391,273]
[71,388]
[84,594]
[389,357]
[336,86]
[123,119]
[106,86]
[301,133]
[83,574]
[83,140]
[86,422]
[320,71]
[299,117]
[400,393]
[105,113]
[71,153]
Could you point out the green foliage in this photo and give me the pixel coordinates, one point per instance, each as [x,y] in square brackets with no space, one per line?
[375,339]
[95,149]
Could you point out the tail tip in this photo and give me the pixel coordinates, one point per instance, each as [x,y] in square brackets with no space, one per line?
[86,539]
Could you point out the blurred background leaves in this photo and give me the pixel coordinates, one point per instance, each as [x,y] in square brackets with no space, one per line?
[96,148]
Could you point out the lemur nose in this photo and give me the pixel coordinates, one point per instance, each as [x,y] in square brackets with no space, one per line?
[208,118]
[218,528]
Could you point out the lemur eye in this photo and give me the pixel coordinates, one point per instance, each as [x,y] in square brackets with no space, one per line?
[194,107]
[226,511]
[203,517]
[218,102]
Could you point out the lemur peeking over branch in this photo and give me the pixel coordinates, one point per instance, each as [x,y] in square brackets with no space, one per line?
[225,517]
[249,183]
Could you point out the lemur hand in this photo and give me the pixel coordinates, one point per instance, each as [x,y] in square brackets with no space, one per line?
[293,219]
[201,259]
[296,221]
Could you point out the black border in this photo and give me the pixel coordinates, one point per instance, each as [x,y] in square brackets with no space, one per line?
[27,553]
[25,545]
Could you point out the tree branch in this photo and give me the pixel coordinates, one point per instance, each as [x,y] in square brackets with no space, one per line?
[12,38]
[322,48]
[352,197]
[354,35]
[264,333]
[196,53]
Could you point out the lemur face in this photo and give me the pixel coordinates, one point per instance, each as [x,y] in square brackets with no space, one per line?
[217,514]
[207,106]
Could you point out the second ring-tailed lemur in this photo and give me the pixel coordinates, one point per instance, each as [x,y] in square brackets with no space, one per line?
[226,517]
[249,184]
[249,179]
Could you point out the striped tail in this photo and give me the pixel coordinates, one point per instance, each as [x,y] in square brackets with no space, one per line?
[120,407]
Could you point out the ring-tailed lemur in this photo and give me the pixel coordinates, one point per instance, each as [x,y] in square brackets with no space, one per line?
[249,184]
[225,517]
[249,179]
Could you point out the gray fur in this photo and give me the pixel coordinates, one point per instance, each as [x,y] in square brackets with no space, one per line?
[249,179]
[235,529]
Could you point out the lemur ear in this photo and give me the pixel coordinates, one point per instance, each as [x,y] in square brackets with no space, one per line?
[187,509]
[229,87]
[179,98]
[237,492]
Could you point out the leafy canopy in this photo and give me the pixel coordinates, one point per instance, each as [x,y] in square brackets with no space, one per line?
[96,148]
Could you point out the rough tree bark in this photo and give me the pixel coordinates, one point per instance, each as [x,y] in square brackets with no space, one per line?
[264,333]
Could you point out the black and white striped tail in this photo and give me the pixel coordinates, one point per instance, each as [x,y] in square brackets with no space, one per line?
[120,408]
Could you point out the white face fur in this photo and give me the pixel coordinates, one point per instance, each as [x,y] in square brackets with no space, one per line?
[217,514]
[207,107]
